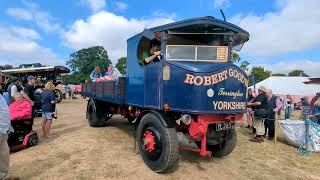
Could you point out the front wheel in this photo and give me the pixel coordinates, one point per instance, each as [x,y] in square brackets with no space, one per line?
[158,145]
[226,147]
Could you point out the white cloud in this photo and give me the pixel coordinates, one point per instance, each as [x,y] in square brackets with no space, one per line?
[25,33]
[19,13]
[46,22]
[293,28]
[221,3]
[309,67]
[32,13]
[109,30]
[163,14]
[121,6]
[17,47]
[94,5]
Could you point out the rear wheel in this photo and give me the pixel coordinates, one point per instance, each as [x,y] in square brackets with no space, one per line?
[95,115]
[33,140]
[158,145]
[225,147]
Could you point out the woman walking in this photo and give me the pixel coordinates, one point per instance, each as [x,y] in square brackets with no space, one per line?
[48,106]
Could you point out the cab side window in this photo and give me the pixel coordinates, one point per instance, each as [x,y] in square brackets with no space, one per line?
[144,46]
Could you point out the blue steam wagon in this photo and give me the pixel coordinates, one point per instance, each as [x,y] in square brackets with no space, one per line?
[188,97]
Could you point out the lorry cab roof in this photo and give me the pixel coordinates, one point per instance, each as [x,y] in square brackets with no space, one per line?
[200,25]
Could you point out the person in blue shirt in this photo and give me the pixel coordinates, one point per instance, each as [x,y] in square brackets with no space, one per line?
[96,73]
[48,101]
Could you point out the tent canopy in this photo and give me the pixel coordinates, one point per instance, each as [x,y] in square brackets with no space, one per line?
[289,85]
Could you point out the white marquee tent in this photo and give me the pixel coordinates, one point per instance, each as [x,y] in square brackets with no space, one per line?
[290,85]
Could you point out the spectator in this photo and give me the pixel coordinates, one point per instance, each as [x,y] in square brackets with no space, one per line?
[2,82]
[259,104]
[279,112]
[4,128]
[30,88]
[273,106]
[48,102]
[13,88]
[288,106]
[305,105]
[313,100]
[96,73]
[109,71]
[249,110]
[21,108]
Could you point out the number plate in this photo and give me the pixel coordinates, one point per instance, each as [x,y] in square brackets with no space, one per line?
[224,126]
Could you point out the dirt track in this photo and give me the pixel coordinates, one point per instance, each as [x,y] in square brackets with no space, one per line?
[76,151]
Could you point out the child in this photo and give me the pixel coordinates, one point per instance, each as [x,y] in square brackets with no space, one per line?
[48,103]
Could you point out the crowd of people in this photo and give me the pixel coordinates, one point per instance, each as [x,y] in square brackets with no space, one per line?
[17,105]
[265,106]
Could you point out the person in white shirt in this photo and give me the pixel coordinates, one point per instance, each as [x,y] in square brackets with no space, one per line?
[4,128]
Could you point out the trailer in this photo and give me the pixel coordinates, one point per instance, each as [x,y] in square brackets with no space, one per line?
[189,99]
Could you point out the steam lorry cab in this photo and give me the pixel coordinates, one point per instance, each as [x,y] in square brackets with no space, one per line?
[190,99]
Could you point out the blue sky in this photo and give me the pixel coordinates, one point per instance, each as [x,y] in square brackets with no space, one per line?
[284,33]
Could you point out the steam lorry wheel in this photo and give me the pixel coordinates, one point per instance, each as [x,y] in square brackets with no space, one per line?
[225,147]
[158,145]
[95,114]
[59,95]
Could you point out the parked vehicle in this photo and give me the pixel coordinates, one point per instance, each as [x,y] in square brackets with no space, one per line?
[43,74]
[190,99]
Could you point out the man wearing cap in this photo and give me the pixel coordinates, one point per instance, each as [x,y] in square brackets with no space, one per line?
[273,106]
[259,104]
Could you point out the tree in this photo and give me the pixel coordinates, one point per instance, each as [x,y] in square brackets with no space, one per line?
[298,73]
[85,60]
[244,65]
[74,78]
[5,67]
[278,74]
[121,65]
[259,74]
[235,56]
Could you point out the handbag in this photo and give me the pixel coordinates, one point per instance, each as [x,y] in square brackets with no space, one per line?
[260,113]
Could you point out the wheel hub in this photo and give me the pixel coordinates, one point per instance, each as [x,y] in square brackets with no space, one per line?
[149,141]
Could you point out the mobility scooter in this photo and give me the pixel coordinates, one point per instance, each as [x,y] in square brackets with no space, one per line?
[23,135]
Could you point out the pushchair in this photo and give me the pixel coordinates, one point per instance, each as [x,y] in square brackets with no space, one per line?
[23,136]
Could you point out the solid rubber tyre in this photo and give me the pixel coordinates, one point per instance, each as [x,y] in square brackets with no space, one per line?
[95,114]
[168,157]
[226,147]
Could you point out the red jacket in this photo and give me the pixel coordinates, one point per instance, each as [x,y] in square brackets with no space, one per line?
[20,110]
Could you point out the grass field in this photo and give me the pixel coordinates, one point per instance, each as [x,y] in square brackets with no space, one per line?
[77,151]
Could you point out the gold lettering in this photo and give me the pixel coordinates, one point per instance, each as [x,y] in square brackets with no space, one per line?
[231,72]
[207,80]
[189,79]
[214,79]
[196,82]
[220,76]
[215,104]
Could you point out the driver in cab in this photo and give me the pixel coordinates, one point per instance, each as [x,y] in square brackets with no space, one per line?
[153,55]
